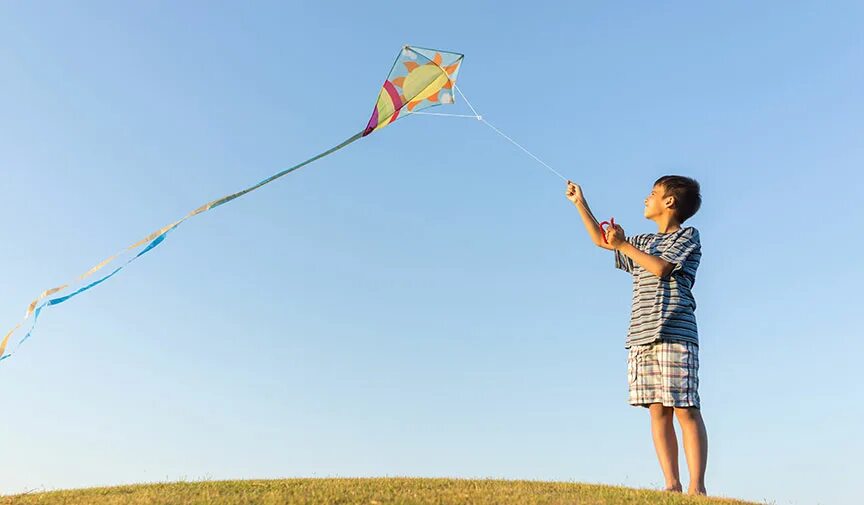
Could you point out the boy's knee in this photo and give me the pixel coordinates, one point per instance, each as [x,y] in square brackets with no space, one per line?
[659,411]
[687,413]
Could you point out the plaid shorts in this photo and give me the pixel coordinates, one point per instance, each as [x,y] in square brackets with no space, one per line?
[664,372]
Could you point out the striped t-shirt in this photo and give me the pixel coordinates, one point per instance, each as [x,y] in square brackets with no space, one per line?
[663,308]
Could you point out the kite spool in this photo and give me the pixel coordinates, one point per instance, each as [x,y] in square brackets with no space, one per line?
[603,231]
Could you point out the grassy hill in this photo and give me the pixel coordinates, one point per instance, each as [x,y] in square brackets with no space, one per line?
[367,491]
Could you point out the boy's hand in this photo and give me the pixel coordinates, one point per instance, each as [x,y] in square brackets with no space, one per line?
[574,192]
[615,236]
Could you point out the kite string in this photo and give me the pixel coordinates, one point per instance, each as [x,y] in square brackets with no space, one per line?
[466,101]
[442,114]
[499,132]
[526,150]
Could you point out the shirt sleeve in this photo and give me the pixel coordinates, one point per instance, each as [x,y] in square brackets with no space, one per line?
[684,252]
[622,261]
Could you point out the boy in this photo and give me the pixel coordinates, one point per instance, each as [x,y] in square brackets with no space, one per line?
[662,361]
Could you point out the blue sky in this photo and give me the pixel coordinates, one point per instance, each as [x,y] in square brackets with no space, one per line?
[425,302]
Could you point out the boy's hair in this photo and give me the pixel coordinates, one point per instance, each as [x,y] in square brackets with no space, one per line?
[686,193]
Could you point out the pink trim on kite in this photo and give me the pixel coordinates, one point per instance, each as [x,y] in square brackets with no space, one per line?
[394,97]
[373,122]
[397,104]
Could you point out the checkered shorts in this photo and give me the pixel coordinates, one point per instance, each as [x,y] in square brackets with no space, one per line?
[664,372]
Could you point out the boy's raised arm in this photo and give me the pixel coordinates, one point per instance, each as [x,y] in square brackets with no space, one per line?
[574,194]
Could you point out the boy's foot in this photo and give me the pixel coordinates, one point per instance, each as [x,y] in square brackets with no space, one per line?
[697,491]
[674,489]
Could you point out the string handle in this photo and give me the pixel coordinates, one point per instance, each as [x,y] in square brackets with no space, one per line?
[603,231]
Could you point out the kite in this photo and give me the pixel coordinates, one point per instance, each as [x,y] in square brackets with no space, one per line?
[419,79]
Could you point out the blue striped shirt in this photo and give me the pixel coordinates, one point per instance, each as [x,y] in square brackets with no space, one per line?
[663,308]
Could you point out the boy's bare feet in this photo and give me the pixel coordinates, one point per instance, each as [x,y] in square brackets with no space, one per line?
[697,491]
[674,489]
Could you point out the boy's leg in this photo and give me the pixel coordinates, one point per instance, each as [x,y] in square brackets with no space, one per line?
[666,444]
[695,446]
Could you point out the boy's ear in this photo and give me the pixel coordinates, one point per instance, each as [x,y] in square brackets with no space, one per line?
[669,202]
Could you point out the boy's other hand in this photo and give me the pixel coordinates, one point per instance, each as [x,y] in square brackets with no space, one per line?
[615,236]
[574,192]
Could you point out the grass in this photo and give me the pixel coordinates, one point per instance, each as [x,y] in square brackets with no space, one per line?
[367,491]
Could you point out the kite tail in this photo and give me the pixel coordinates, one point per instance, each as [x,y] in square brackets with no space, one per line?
[152,240]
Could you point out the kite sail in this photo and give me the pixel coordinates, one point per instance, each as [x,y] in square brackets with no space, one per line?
[420,78]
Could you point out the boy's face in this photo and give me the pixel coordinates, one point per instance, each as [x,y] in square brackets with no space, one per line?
[656,205]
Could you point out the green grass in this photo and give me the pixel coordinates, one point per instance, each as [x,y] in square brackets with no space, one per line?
[368,491]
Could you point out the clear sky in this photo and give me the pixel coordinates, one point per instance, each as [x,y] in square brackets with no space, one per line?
[425,302]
